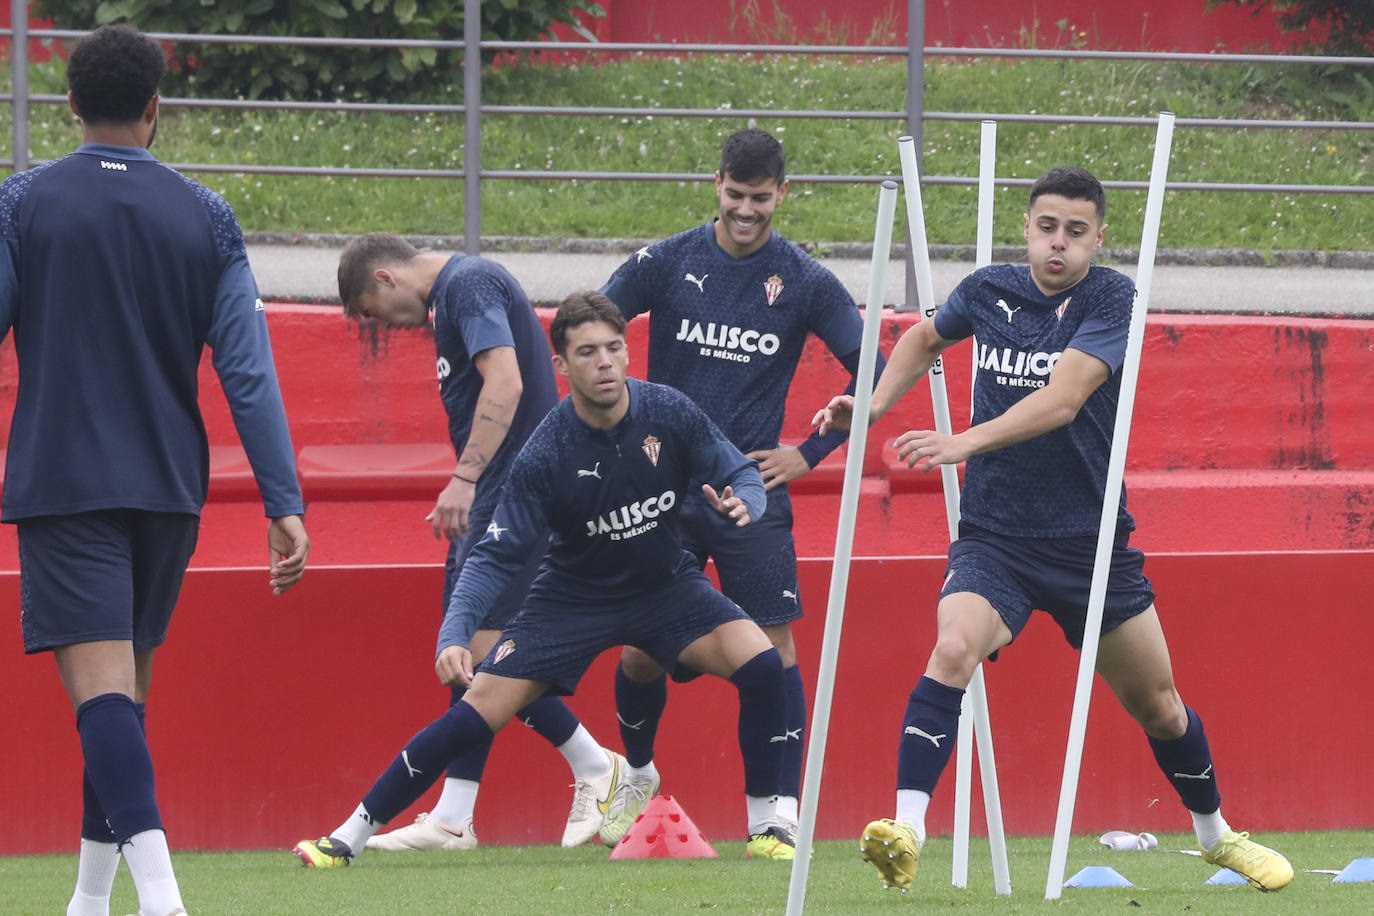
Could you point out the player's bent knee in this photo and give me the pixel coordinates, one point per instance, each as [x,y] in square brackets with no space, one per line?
[638,666]
[953,659]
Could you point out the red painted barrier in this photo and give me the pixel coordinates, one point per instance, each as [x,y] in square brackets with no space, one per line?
[1164,25]
[238,728]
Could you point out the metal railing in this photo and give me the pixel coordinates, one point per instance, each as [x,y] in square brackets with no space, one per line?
[472,111]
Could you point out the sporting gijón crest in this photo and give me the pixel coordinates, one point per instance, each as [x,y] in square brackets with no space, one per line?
[651,447]
[773,288]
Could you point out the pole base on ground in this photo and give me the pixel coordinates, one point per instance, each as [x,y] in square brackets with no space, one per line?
[663,831]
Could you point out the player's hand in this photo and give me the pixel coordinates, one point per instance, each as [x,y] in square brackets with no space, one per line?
[450,513]
[779,465]
[727,504]
[925,448]
[838,414]
[287,548]
[454,666]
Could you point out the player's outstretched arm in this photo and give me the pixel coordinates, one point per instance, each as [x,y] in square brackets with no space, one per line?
[911,359]
[454,666]
[287,547]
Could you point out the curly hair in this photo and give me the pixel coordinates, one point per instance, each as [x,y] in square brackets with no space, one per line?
[753,155]
[113,73]
[1074,183]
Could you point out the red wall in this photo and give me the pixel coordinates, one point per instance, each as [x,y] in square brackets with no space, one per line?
[1250,434]
[1164,25]
[235,722]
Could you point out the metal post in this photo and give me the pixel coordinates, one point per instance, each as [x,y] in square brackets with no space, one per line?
[915,111]
[472,126]
[19,80]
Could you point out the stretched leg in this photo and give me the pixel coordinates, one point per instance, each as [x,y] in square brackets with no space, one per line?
[1134,660]
[740,652]
[468,724]
[969,630]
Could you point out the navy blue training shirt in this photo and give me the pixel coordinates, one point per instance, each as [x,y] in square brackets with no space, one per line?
[1051,485]
[479,305]
[729,332]
[115,273]
[611,499]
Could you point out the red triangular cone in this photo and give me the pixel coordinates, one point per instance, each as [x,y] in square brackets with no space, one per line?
[662,831]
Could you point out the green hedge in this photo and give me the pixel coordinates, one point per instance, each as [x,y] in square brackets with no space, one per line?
[278,72]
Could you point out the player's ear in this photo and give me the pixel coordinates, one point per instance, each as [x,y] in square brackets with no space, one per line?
[560,365]
[782,190]
[385,276]
[1101,233]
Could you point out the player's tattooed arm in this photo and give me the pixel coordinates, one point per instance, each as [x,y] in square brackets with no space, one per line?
[491,421]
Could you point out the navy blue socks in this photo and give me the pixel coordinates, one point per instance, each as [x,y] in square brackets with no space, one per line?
[929,729]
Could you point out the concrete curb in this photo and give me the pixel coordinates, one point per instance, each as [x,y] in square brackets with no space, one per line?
[1187,257]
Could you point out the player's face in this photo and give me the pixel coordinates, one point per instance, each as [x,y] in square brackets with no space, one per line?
[1062,235]
[394,304]
[594,362]
[746,213]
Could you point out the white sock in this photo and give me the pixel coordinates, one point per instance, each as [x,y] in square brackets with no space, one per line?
[95,874]
[1209,828]
[587,759]
[150,864]
[456,801]
[645,774]
[911,809]
[357,829]
[787,810]
[762,811]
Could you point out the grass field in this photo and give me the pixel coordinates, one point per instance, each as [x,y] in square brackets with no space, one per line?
[537,880]
[815,213]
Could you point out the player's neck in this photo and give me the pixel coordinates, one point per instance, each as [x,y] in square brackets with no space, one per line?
[115,135]
[599,417]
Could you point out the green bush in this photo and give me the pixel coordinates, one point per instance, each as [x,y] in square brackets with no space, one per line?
[280,72]
[1342,26]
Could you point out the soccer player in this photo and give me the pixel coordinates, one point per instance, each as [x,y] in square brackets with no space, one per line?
[1051,340]
[496,382]
[116,271]
[606,472]
[730,304]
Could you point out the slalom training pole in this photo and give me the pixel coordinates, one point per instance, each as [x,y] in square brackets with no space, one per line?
[1106,533]
[844,547]
[949,479]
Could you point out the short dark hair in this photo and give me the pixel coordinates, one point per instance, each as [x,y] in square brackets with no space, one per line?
[361,257]
[113,73]
[1074,183]
[751,155]
[579,309]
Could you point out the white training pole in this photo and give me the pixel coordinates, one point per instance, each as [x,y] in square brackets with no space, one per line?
[949,475]
[963,748]
[1106,533]
[844,545]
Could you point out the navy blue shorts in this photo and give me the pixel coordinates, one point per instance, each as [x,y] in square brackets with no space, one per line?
[508,601]
[555,641]
[110,574]
[1017,575]
[757,564]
